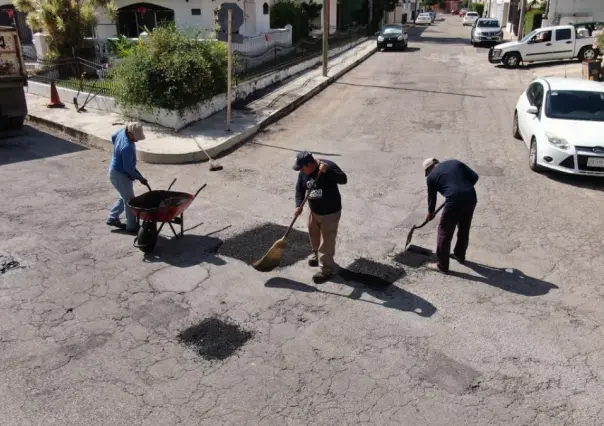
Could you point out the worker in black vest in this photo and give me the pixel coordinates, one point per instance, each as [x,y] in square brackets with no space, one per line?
[455,181]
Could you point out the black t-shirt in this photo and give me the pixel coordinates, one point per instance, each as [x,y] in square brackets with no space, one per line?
[325,198]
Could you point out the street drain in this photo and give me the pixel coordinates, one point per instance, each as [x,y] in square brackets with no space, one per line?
[214,339]
[251,245]
[7,263]
[372,274]
[413,257]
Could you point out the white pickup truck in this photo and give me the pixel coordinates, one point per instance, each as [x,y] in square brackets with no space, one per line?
[544,44]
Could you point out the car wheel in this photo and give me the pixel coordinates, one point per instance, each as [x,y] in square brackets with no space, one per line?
[587,54]
[515,128]
[405,46]
[533,157]
[512,60]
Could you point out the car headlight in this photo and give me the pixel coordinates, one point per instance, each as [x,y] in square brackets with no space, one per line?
[557,141]
[400,38]
[380,38]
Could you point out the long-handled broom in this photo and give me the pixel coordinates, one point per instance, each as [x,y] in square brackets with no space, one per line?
[273,257]
[214,165]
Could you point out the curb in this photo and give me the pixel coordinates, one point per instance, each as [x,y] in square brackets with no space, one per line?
[92,141]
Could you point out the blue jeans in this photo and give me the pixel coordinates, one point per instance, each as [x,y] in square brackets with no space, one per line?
[125,187]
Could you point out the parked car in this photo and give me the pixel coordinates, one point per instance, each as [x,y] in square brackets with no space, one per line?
[544,44]
[432,15]
[486,30]
[392,37]
[423,19]
[463,12]
[469,18]
[561,121]
[455,12]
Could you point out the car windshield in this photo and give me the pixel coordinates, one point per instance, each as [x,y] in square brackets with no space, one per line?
[575,105]
[471,14]
[528,36]
[391,30]
[424,15]
[488,24]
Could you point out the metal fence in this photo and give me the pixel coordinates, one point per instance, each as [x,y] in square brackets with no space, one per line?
[93,76]
[281,56]
[72,73]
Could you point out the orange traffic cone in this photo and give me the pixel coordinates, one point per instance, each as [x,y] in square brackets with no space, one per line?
[55,100]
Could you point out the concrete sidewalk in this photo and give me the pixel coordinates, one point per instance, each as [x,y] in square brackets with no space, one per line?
[162,146]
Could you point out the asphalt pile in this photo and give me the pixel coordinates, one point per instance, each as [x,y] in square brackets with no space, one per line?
[371,273]
[252,244]
[7,263]
[214,339]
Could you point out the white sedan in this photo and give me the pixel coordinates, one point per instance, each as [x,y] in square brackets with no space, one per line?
[561,120]
[424,19]
[469,18]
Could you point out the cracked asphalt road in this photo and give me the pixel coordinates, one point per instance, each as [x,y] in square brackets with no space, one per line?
[88,325]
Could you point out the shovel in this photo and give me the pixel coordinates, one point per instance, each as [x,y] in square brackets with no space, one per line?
[410,235]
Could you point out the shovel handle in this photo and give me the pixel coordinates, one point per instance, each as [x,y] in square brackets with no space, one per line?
[426,221]
[291,225]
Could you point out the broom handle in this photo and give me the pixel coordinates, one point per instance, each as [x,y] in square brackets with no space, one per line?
[291,225]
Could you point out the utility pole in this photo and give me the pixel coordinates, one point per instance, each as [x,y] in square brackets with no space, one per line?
[325,35]
[522,15]
[489,11]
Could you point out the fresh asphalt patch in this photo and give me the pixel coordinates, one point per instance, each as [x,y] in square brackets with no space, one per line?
[215,339]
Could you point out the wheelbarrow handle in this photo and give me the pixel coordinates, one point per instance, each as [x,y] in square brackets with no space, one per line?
[170,187]
[199,190]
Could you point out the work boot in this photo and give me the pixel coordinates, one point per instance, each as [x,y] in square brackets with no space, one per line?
[116,223]
[438,268]
[321,277]
[313,261]
[460,260]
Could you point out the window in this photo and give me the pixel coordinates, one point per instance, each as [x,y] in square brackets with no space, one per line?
[265,9]
[575,105]
[488,24]
[535,94]
[563,34]
[196,12]
[542,37]
[136,18]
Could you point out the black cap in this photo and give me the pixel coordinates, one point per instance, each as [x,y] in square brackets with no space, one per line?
[302,159]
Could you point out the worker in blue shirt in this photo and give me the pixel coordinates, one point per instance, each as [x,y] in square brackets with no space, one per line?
[455,181]
[123,173]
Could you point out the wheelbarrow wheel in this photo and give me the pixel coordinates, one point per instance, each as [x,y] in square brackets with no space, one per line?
[146,239]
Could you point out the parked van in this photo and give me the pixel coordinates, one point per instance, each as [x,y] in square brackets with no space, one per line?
[13,78]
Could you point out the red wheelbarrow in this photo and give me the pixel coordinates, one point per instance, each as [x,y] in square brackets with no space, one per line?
[161,207]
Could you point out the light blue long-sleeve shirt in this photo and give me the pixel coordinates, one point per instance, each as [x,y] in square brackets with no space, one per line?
[124,155]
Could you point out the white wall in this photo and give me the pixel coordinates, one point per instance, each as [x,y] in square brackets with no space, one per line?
[263,24]
[568,11]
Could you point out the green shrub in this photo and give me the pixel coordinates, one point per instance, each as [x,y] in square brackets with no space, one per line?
[284,12]
[121,47]
[172,70]
[478,8]
[529,20]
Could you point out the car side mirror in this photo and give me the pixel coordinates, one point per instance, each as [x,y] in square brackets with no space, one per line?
[377,33]
[532,110]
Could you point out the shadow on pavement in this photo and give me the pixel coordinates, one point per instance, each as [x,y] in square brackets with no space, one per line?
[444,40]
[586,182]
[33,144]
[507,279]
[394,297]
[186,251]
[408,89]
[557,64]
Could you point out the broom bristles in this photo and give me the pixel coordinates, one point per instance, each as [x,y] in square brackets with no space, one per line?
[272,258]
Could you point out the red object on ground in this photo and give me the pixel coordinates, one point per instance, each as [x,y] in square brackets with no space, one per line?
[55,100]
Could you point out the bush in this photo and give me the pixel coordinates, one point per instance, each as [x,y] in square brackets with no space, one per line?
[284,12]
[478,8]
[529,20]
[171,70]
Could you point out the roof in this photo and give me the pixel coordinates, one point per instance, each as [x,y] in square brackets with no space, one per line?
[580,84]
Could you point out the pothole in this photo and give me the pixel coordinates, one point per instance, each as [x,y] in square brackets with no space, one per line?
[215,339]
[7,263]
[252,244]
[413,256]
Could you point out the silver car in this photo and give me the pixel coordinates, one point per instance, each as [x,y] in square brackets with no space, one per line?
[486,30]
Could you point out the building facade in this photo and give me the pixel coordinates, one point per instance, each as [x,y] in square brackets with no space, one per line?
[560,12]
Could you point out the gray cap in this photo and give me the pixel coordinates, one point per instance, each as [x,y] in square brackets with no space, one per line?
[302,159]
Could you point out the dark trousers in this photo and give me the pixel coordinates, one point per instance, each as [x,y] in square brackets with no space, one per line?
[458,216]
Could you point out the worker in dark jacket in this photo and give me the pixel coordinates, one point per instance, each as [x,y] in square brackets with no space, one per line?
[325,205]
[455,181]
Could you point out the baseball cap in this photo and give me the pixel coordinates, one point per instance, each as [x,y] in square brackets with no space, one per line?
[429,162]
[136,130]
[302,159]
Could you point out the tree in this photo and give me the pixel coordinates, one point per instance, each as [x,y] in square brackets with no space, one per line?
[478,8]
[66,22]
[430,2]
[312,10]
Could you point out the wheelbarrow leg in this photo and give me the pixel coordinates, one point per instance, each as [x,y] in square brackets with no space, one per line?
[162,225]
[182,224]
[173,231]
